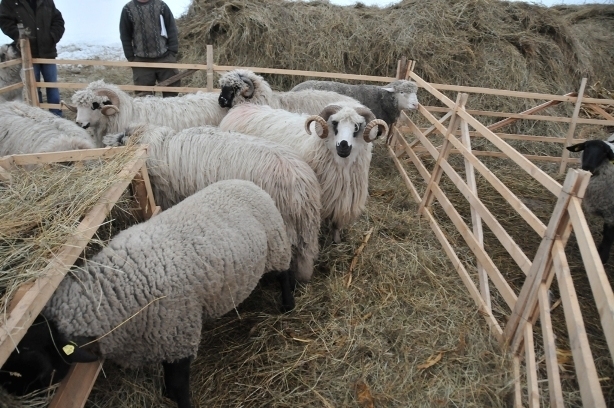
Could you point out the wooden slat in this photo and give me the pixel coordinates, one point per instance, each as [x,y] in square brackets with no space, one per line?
[10,88]
[527,298]
[31,94]
[498,185]
[531,111]
[65,156]
[517,385]
[587,377]
[514,136]
[404,176]
[34,300]
[476,219]
[531,157]
[154,88]
[552,365]
[462,272]
[531,366]
[10,63]
[534,171]
[600,111]
[125,64]
[572,126]
[177,77]
[76,386]
[209,68]
[143,193]
[600,285]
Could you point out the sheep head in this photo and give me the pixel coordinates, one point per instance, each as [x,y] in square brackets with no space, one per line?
[346,124]
[594,153]
[405,92]
[235,83]
[91,105]
[9,52]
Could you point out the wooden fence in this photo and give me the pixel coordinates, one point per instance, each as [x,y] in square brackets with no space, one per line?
[531,303]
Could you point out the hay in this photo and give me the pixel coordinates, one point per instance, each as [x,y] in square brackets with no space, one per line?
[40,209]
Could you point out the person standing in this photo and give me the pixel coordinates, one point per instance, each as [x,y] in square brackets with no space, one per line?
[44,26]
[149,34]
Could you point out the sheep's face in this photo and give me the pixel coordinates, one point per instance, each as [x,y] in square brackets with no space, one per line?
[91,108]
[406,94]
[345,132]
[235,85]
[9,52]
[594,153]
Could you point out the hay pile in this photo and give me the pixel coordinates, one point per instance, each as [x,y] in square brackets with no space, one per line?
[487,43]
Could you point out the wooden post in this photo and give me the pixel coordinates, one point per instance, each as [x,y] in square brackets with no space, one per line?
[31,93]
[572,126]
[403,68]
[209,68]
[428,196]
[76,386]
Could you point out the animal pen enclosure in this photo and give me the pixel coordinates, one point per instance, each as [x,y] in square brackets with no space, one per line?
[513,311]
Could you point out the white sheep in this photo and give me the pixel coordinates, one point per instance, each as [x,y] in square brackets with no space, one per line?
[341,162]
[597,157]
[386,102]
[106,109]
[28,129]
[143,299]
[242,86]
[10,75]
[181,163]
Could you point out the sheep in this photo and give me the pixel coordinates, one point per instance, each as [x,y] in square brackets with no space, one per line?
[181,163]
[597,157]
[105,109]
[28,129]
[341,162]
[10,75]
[386,102]
[241,86]
[143,298]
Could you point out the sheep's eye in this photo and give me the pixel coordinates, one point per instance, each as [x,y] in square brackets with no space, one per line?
[95,106]
[356,127]
[335,123]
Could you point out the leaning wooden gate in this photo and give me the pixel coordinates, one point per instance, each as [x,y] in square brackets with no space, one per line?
[532,301]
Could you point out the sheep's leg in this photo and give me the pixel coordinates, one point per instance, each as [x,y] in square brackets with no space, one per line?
[606,243]
[288,283]
[177,381]
[336,234]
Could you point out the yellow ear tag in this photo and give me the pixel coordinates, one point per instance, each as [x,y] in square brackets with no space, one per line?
[68,349]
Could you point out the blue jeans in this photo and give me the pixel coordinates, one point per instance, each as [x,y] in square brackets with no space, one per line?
[50,74]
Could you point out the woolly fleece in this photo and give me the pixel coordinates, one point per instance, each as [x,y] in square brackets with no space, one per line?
[28,129]
[195,261]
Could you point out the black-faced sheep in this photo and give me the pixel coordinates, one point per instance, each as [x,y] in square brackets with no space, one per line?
[340,153]
[143,298]
[182,163]
[106,109]
[597,157]
[242,86]
[28,129]
[10,75]
[386,102]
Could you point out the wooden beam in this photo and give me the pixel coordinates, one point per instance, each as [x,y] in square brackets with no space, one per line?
[517,385]
[537,173]
[552,364]
[10,63]
[598,109]
[531,157]
[587,377]
[143,194]
[55,157]
[404,176]
[31,94]
[33,301]
[177,77]
[600,285]
[531,111]
[154,88]
[10,88]
[572,126]
[531,366]
[209,67]
[76,386]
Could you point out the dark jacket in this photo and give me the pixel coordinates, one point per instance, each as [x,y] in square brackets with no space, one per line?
[46,27]
[140,30]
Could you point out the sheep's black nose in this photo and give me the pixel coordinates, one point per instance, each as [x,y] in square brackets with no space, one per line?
[343,144]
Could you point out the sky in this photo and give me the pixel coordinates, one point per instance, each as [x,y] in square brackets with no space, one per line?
[97,22]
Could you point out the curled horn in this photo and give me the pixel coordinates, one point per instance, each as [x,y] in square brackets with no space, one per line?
[249,92]
[71,108]
[328,111]
[113,97]
[382,129]
[322,123]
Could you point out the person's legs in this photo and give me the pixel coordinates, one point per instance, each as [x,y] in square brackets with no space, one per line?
[145,77]
[162,74]
[50,74]
[37,76]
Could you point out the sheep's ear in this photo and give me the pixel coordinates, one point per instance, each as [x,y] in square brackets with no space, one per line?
[610,153]
[389,89]
[576,148]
